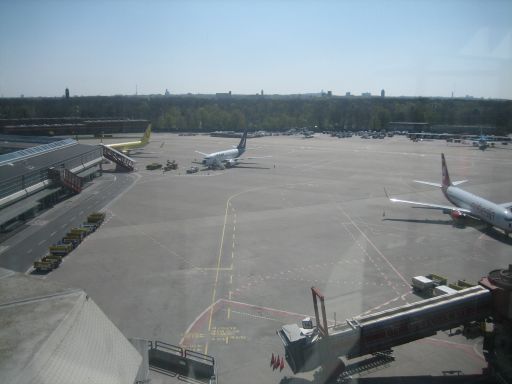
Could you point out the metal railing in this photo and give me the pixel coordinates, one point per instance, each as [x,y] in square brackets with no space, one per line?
[183,362]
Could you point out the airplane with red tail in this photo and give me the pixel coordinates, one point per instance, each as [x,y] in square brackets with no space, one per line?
[466,204]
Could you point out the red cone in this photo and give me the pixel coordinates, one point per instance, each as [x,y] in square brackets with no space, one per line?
[276,363]
[281,366]
[272,360]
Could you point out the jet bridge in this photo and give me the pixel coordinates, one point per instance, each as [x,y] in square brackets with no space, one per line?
[307,349]
[66,178]
[124,162]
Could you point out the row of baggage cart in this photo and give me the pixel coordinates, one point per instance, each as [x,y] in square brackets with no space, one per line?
[69,242]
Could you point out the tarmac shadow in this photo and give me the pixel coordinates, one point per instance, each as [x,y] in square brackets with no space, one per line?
[422,221]
[461,224]
[240,166]
[495,234]
[36,272]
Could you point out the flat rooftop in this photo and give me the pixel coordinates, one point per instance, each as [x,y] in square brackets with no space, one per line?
[43,160]
[30,311]
[48,331]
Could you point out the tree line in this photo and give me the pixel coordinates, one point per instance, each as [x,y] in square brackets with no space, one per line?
[272,113]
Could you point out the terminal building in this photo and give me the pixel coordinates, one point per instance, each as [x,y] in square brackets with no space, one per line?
[44,171]
[70,126]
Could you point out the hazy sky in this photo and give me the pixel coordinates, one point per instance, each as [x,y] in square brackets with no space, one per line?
[412,48]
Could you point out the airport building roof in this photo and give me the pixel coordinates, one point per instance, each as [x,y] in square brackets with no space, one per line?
[50,333]
[13,157]
[34,140]
[44,159]
[23,172]
[70,126]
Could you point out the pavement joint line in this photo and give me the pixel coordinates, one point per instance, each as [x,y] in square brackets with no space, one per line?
[160,244]
[373,245]
[256,316]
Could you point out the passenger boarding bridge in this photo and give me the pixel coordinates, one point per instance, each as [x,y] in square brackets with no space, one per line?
[308,347]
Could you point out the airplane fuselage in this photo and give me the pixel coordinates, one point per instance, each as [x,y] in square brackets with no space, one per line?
[222,156]
[127,145]
[465,203]
[483,209]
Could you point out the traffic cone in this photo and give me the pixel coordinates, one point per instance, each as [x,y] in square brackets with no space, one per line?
[272,360]
[281,366]
[276,363]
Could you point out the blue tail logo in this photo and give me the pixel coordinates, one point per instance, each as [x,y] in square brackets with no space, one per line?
[243,140]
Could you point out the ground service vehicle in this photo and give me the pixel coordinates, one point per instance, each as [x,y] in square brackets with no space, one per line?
[96,217]
[60,249]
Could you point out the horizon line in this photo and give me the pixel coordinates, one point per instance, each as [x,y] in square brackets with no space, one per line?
[226,95]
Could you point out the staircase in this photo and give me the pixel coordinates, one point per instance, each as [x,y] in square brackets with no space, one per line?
[66,178]
[124,162]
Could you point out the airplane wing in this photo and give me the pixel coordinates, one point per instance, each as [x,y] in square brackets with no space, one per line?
[449,208]
[428,183]
[204,154]
[437,184]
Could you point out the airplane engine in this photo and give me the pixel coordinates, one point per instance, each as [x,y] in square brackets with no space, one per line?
[456,215]
[231,163]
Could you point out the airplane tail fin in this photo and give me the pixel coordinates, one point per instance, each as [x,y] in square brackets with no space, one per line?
[446,177]
[147,135]
[446,182]
[243,141]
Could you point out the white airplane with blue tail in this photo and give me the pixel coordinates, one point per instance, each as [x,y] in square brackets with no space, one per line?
[229,157]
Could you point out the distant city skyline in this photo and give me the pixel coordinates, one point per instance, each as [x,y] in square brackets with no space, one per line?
[322,93]
[408,48]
